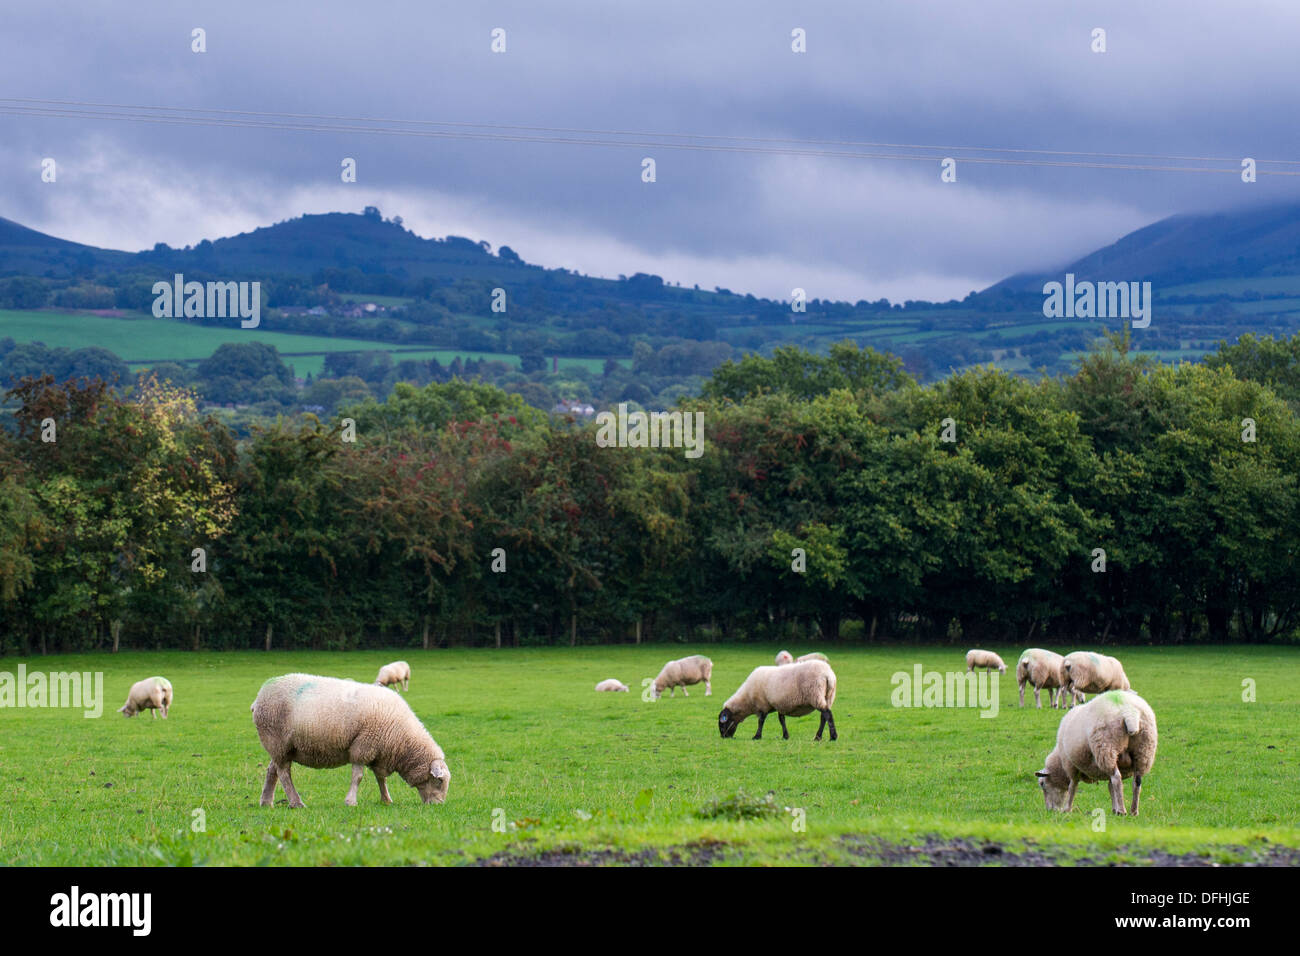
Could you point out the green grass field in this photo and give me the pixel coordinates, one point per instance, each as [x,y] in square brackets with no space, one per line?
[603,777]
[142,341]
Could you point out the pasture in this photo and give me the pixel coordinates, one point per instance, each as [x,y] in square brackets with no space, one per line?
[571,774]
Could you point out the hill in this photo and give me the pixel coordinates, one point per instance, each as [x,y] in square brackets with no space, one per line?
[355,281]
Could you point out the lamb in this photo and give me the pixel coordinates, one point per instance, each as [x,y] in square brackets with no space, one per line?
[390,675]
[325,722]
[1109,739]
[784,657]
[1084,673]
[687,670]
[790,690]
[1041,669]
[988,659]
[614,685]
[152,693]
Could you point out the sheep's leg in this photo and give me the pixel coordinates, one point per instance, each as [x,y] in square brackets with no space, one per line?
[351,798]
[1022,693]
[762,716]
[383,788]
[1117,792]
[1137,790]
[785,734]
[154,712]
[828,719]
[708,687]
[268,789]
[1069,794]
[685,692]
[286,781]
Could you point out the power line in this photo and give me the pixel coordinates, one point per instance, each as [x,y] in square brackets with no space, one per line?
[512,133]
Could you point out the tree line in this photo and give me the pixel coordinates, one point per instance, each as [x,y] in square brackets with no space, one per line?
[836,499]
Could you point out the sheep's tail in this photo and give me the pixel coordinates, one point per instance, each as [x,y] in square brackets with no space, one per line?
[1132,719]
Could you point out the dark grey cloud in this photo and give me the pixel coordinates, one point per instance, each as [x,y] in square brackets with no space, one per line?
[1194,78]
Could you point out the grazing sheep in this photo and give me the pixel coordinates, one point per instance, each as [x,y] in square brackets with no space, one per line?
[784,657]
[152,693]
[987,659]
[326,722]
[1109,739]
[1084,672]
[1041,669]
[790,690]
[687,670]
[612,685]
[398,672]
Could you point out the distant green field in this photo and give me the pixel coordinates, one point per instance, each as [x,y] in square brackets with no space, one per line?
[536,752]
[141,341]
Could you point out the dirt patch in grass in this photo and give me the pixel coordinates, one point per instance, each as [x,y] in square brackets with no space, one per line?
[859,850]
[690,854]
[947,851]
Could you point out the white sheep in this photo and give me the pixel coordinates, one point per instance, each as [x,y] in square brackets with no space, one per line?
[616,686]
[1111,738]
[786,658]
[976,658]
[1041,669]
[1084,672]
[390,675]
[790,690]
[325,722]
[687,670]
[152,693]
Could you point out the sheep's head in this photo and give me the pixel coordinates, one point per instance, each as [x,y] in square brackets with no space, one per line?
[125,712]
[433,789]
[784,657]
[727,723]
[1055,784]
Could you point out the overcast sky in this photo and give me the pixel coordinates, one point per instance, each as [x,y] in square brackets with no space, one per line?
[1179,78]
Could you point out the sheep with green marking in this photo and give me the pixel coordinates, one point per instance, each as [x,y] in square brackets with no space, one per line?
[1085,672]
[1111,738]
[325,722]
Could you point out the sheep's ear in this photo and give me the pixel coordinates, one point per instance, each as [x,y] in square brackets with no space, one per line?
[1040,773]
[435,772]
